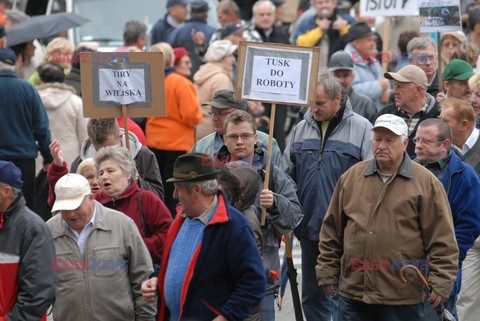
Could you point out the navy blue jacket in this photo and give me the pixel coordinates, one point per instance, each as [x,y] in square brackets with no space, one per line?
[160,31]
[463,189]
[23,120]
[225,275]
[180,36]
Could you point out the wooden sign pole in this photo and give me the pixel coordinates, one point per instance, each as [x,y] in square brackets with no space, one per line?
[269,157]
[125,125]
[439,61]
[386,40]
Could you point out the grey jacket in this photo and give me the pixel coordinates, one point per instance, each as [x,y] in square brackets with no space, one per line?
[26,243]
[149,178]
[103,283]
[362,105]
[286,213]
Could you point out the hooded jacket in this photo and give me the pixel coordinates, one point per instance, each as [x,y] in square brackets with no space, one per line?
[27,280]
[145,160]
[210,78]
[284,216]
[65,116]
[316,163]
[225,275]
[157,216]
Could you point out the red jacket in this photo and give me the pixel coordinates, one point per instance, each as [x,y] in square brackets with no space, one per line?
[157,216]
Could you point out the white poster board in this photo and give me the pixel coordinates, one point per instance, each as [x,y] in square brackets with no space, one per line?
[439,15]
[123,86]
[277,73]
[388,8]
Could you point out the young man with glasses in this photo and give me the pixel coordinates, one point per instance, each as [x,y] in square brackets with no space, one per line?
[284,212]
[433,140]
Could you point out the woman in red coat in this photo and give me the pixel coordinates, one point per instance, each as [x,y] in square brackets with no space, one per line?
[117,175]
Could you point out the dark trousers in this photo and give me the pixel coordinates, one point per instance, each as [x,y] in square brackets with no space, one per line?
[166,159]
[352,310]
[27,167]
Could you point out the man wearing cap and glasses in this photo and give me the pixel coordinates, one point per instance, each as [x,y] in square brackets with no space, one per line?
[341,66]
[211,268]
[24,128]
[412,103]
[223,104]
[101,258]
[432,147]
[388,209]
[27,281]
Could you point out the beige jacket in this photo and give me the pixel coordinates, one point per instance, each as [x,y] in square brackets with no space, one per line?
[65,118]
[210,78]
[103,283]
[408,218]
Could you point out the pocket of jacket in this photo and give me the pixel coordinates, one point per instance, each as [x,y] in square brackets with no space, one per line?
[66,266]
[108,261]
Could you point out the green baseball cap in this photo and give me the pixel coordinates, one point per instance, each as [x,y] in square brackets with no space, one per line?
[458,70]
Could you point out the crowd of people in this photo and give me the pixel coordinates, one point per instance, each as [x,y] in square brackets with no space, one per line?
[381,172]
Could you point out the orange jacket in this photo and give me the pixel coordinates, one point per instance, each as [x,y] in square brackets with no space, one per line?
[175,132]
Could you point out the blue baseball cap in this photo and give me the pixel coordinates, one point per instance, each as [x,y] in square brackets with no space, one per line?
[171,3]
[7,56]
[10,174]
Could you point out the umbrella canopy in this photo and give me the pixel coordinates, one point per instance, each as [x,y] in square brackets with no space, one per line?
[42,27]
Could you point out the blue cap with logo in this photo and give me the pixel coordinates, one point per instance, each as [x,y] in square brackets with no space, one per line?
[10,174]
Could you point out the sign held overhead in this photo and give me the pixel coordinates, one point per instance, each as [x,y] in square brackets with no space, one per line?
[386,8]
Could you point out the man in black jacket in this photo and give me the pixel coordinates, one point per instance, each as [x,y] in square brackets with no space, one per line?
[26,252]
[412,102]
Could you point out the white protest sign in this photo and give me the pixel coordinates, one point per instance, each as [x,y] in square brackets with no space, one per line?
[276,73]
[273,75]
[439,15]
[387,8]
[123,86]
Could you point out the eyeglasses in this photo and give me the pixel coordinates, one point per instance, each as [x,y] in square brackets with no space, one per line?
[244,137]
[217,114]
[424,141]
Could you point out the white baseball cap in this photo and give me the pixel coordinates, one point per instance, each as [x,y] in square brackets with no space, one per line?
[393,123]
[70,191]
[219,49]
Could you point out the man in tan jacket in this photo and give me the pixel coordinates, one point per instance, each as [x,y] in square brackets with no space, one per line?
[101,258]
[386,213]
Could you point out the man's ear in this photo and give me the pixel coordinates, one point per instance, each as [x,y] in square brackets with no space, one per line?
[446,85]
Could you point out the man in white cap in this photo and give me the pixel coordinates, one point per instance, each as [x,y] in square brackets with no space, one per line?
[412,103]
[101,258]
[386,213]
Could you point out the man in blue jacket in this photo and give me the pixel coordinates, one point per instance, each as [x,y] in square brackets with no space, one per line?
[211,268]
[432,146]
[326,143]
[176,15]
[24,129]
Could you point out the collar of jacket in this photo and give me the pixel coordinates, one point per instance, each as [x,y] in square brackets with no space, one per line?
[18,202]
[10,74]
[100,223]
[405,168]
[128,192]
[344,112]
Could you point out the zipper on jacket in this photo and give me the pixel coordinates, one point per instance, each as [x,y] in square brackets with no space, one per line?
[86,275]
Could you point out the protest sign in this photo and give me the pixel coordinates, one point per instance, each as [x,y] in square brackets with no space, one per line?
[388,8]
[134,79]
[277,73]
[439,15]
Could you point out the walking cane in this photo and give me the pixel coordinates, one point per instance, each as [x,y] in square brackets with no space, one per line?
[440,309]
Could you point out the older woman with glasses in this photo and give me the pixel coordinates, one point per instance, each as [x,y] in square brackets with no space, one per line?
[117,175]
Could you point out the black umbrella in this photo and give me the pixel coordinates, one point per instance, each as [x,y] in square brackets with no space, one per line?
[42,27]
